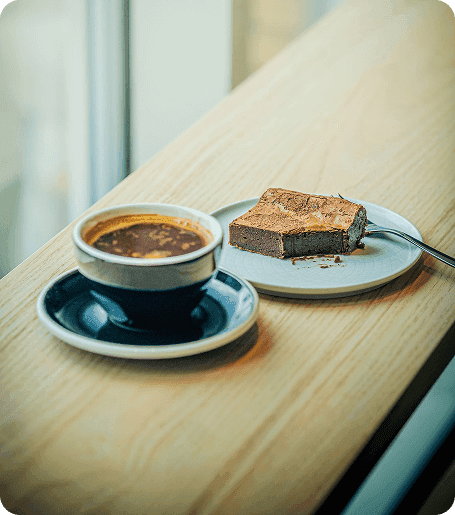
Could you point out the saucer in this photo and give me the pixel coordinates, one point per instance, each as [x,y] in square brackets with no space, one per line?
[76,315]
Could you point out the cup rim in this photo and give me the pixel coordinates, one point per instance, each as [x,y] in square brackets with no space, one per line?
[210,220]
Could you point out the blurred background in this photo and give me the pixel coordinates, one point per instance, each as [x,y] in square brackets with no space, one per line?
[92,89]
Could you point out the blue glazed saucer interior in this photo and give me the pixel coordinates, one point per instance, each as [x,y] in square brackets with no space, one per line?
[82,317]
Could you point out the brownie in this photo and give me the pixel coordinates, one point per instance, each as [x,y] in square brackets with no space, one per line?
[287,223]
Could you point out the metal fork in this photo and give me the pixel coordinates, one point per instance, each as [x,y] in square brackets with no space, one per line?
[372,227]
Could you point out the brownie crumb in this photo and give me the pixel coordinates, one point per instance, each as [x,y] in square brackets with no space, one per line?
[324,266]
[337,259]
[361,245]
[301,258]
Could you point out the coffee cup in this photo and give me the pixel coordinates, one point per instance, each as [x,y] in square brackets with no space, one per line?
[154,286]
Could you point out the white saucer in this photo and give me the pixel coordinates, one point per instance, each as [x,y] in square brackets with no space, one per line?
[384,258]
[70,312]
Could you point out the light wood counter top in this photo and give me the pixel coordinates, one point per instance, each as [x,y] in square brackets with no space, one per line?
[362,104]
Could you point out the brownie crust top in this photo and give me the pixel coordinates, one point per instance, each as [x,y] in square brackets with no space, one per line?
[290,212]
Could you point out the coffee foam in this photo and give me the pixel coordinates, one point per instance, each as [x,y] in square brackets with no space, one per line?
[91,234]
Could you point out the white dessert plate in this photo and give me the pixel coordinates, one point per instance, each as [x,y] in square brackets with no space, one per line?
[384,258]
[69,311]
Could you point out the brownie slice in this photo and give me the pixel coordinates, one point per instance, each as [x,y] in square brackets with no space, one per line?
[287,223]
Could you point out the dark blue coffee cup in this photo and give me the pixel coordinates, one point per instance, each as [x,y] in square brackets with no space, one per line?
[145,292]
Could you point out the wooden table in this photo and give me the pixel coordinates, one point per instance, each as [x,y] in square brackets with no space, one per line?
[362,104]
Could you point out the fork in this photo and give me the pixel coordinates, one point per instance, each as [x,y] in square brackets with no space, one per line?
[372,227]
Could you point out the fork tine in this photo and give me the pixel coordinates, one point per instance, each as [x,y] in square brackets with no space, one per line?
[369,222]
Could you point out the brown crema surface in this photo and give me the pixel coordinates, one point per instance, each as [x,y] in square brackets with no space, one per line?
[140,236]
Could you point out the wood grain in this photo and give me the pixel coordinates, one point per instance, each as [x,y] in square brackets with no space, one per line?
[362,104]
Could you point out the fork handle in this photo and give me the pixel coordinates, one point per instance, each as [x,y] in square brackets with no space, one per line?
[435,253]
